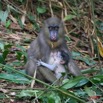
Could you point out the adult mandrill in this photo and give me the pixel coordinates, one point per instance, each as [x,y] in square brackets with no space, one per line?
[50,40]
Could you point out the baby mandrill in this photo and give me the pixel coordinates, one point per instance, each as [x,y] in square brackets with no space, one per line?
[56,63]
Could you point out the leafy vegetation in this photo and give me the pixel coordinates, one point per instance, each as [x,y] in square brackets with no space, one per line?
[20,22]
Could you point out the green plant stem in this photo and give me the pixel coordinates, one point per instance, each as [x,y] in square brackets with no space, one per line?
[66,93]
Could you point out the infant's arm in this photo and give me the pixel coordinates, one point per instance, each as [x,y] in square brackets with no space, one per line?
[49,66]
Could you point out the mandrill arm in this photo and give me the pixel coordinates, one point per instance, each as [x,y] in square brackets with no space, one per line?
[72,66]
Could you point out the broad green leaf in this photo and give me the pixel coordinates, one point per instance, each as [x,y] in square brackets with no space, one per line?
[101,26]
[89,70]
[17,63]
[13,9]
[73,82]
[33,20]
[89,61]
[3,16]
[2,59]
[19,55]
[8,23]
[97,79]
[16,78]
[69,17]
[41,10]
[5,53]
[2,46]
[27,93]
[75,54]
[82,82]
[67,38]
[6,68]
[21,47]
[20,1]
[2,95]
[26,40]
[20,23]
[80,92]
[72,101]
[100,46]
[7,46]
[90,92]
[54,98]
[23,50]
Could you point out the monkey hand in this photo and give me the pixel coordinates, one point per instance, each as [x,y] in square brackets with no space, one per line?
[39,62]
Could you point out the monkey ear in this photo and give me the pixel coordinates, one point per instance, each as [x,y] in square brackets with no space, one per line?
[61,23]
[45,22]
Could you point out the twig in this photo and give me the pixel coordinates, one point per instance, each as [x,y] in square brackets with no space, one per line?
[51,10]
[33,81]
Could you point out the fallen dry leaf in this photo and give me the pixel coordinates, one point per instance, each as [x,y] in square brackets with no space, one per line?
[100,46]
[15,36]
[23,18]
[15,26]
[13,19]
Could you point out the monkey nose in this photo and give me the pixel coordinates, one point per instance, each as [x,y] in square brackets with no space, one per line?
[54,37]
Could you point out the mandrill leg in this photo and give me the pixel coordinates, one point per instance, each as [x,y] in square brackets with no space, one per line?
[43,73]
[47,74]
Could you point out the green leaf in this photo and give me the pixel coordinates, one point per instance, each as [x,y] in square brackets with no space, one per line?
[14,77]
[41,10]
[27,93]
[8,23]
[67,38]
[54,98]
[17,63]
[89,70]
[82,82]
[20,1]
[101,26]
[2,59]
[69,17]
[90,92]
[3,16]
[26,40]
[89,61]
[74,82]
[2,95]
[75,54]
[97,79]
[33,20]
[6,69]
[20,23]
[23,50]
[2,46]
[19,55]
[72,101]
[5,53]
[7,46]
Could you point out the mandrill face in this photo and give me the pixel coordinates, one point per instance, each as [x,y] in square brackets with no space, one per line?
[53,29]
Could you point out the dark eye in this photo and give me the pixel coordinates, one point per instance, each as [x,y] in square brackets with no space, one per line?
[50,28]
[53,28]
[56,27]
